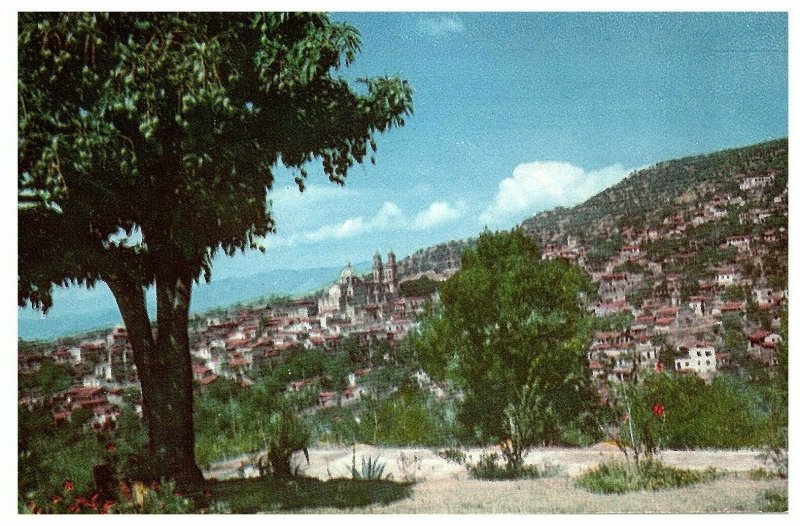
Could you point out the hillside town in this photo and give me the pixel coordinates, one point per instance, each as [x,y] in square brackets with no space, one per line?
[658,320]
[366,308]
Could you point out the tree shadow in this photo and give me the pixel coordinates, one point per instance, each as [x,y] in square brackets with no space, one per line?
[255,495]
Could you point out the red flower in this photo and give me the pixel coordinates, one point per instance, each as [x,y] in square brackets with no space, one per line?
[658,410]
[107,505]
[73,508]
[111,447]
[68,485]
[31,505]
[55,499]
[155,486]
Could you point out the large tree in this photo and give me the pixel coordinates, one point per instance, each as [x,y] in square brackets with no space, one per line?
[147,143]
[511,331]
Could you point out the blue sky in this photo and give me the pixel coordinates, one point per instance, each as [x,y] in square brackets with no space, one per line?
[520,112]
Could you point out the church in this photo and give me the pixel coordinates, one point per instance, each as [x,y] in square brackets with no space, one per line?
[352,292]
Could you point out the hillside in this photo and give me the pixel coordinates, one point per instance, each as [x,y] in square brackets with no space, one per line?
[646,197]
[644,200]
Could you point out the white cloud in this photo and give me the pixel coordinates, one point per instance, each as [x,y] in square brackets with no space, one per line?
[389,217]
[348,228]
[439,25]
[540,185]
[438,212]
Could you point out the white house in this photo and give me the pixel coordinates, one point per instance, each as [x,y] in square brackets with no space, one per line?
[700,358]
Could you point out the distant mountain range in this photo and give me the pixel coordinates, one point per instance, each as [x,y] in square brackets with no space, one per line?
[76,310]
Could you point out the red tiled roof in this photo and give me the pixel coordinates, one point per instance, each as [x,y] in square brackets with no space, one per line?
[759,335]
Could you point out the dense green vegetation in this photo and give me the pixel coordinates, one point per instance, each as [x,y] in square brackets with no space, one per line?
[508,337]
[728,413]
[423,286]
[652,475]
[50,379]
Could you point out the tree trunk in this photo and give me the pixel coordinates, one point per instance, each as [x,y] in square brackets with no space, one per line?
[130,298]
[173,421]
[163,365]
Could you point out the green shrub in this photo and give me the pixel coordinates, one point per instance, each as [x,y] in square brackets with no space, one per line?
[489,468]
[683,412]
[288,435]
[454,454]
[774,502]
[761,474]
[652,475]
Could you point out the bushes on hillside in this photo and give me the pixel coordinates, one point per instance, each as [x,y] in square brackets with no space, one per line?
[679,411]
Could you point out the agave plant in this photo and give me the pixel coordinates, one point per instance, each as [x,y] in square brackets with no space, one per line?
[371,469]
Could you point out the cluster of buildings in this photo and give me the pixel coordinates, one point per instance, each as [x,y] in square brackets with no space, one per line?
[105,369]
[367,308]
[664,313]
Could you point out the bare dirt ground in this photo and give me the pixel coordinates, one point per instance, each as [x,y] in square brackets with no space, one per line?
[444,486]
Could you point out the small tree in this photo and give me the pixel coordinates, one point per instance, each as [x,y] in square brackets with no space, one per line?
[508,320]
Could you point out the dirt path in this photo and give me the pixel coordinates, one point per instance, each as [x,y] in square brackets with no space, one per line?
[424,464]
[559,495]
[444,486]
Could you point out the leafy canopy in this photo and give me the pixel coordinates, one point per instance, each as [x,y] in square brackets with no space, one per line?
[511,322]
[150,139]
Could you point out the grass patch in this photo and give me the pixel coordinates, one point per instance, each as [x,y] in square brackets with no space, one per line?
[762,474]
[773,502]
[276,495]
[489,468]
[622,477]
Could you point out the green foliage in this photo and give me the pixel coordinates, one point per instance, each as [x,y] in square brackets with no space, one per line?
[489,468]
[423,286]
[406,418]
[288,435]
[371,469]
[630,268]
[198,105]
[620,321]
[774,502]
[525,419]
[160,498]
[729,413]
[51,378]
[508,319]
[454,454]
[280,495]
[49,455]
[650,475]
[761,474]
[734,293]
[233,420]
